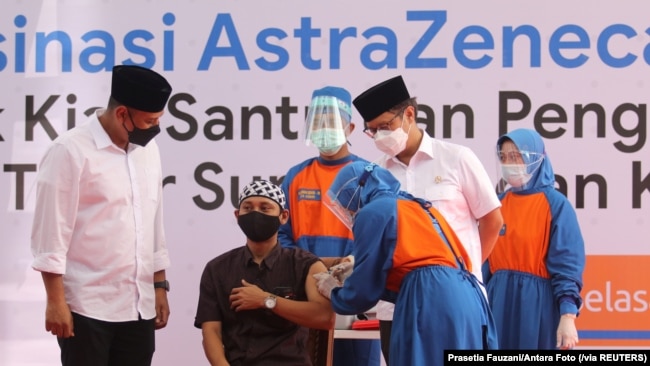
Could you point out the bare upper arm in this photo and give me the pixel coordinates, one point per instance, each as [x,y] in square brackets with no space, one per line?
[492,221]
[310,284]
[488,227]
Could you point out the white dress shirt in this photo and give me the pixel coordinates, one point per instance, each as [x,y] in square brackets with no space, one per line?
[452,177]
[99,222]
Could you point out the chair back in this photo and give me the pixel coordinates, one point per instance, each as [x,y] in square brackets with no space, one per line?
[321,346]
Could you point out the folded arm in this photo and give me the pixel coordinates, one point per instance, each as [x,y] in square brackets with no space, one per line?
[316,312]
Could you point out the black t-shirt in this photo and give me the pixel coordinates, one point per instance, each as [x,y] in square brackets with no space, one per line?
[253,337]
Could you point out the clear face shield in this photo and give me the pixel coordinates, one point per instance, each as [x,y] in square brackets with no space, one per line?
[516,166]
[327,124]
[345,202]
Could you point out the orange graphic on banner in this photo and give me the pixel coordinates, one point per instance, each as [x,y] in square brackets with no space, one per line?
[616,297]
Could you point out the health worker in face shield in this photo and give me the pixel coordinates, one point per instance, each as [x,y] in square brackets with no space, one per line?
[534,274]
[406,253]
[311,226]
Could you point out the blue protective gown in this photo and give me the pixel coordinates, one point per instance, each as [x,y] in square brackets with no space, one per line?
[535,272]
[401,257]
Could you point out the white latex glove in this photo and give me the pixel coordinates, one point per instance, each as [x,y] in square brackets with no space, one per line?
[567,334]
[344,269]
[326,283]
[349,258]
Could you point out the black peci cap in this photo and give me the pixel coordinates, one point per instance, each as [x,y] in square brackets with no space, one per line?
[140,88]
[381,98]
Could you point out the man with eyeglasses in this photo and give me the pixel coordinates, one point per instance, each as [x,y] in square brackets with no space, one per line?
[97,235]
[449,175]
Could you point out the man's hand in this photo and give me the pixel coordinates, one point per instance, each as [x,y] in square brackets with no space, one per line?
[247,297]
[58,319]
[162,308]
[567,334]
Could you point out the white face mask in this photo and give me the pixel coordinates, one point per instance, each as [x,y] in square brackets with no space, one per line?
[329,141]
[391,142]
[515,174]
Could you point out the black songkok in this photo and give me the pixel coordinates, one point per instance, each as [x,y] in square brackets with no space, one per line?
[381,98]
[140,88]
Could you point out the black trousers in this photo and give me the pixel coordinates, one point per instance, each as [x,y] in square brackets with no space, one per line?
[100,343]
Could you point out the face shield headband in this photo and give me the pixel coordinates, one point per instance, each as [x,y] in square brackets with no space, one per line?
[345,205]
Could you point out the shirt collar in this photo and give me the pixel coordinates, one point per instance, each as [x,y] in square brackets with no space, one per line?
[425,150]
[343,160]
[426,145]
[102,140]
[268,262]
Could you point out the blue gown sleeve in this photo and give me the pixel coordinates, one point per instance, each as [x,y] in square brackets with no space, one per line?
[285,233]
[375,236]
[566,254]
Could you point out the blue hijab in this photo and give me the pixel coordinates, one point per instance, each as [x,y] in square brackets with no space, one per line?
[529,140]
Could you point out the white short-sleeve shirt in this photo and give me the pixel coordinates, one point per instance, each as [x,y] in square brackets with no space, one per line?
[452,177]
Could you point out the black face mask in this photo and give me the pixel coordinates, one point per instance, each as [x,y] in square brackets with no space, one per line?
[141,136]
[257,226]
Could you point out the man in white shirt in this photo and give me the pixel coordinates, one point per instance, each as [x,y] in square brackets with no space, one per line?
[97,235]
[448,175]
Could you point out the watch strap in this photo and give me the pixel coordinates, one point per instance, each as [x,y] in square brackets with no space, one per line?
[162,284]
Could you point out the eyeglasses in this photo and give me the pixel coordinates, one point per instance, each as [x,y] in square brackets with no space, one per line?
[384,126]
[510,157]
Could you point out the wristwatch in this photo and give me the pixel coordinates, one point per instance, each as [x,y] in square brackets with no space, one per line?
[162,284]
[270,302]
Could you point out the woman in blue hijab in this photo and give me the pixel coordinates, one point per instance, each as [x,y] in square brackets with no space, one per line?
[534,275]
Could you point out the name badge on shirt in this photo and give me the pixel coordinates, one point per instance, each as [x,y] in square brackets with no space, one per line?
[308,194]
